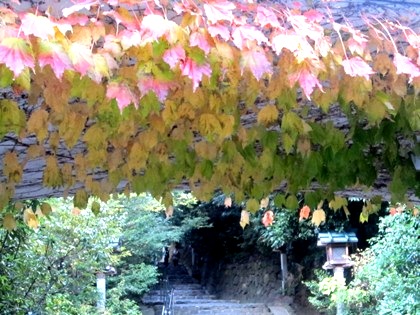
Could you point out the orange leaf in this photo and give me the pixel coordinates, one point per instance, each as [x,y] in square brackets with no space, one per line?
[228,202]
[304,213]
[268,218]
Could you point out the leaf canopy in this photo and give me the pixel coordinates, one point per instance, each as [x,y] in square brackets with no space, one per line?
[247,98]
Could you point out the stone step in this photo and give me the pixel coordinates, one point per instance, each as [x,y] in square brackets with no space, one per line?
[221,308]
[204,301]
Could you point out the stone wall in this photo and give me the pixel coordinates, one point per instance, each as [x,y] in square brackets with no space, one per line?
[256,278]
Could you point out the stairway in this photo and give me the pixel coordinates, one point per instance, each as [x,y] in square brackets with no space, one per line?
[190,298]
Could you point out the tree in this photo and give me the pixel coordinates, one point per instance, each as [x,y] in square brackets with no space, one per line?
[159,94]
[52,267]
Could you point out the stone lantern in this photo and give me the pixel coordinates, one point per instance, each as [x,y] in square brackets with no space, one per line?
[338,255]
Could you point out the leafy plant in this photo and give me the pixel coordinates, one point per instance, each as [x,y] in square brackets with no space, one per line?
[386,275]
[141,96]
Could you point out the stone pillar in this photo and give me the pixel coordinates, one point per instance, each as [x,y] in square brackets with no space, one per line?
[101,288]
[339,275]
[283,263]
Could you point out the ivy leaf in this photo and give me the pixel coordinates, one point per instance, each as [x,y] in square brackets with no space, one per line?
[9,222]
[307,82]
[37,25]
[266,17]
[154,26]
[244,219]
[199,40]
[247,36]
[53,55]
[122,94]
[228,202]
[195,71]
[405,65]
[95,207]
[219,29]
[38,124]
[257,63]
[52,174]
[174,55]
[46,208]
[12,169]
[318,217]
[268,218]
[80,199]
[268,114]
[169,211]
[304,213]
[356,66]
[337,203]
[30,218]
[16,54]
[219,11]
[264,202]
[81,57]
[252,205]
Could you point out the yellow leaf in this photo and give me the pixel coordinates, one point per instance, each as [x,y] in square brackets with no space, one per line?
[30,218]
[38,124]
[318,217]
[12,168]
[209,125]
[227,123]
[52,174]
[252,205]
[35,151]
[9,222]
[206,150]
[264,202]
[337,203]
[268,114]
[71,128]
[169,211]
[304,146]
[244,219]
[46,208]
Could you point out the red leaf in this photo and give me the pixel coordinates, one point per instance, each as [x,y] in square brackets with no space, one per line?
[257,62]
[16,54]
[53,55]
[307,82]
[174,55]
[405,65]
[314,15]
[154,26]
[304,213]
[161,89]
[198,39]
[219,29]
[130,39]
[122,94]
[219,11]
[268,218]
[356,66]
[40,26]
[392,211]
[195,72]
[246,36]
[266,17]
[81,57]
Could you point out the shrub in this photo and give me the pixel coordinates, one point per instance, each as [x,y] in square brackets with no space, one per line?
[386,275]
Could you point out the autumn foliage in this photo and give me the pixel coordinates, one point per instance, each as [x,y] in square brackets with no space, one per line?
[160,93]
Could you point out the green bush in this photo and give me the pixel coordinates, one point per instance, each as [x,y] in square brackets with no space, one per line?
[386,275]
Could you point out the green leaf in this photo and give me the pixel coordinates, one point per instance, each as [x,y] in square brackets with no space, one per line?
[252,205]
[292,202]
[95,207]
